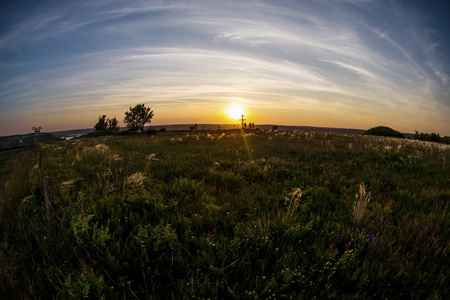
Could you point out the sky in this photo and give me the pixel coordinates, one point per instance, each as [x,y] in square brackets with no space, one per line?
[327,63]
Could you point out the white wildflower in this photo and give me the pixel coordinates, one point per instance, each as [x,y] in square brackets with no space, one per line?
[152,157]
[136,179]
[116,157]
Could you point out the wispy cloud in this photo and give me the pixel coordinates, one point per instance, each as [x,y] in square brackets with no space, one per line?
[336,57]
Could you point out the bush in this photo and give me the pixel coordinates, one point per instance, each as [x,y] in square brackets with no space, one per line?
[113,125]
[101,124]
[384,131]
[422,136]
[104,124]
[151,131]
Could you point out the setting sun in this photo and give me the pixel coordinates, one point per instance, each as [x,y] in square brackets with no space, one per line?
[235,111]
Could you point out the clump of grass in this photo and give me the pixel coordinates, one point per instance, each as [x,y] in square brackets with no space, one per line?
[361,202]
[292,201]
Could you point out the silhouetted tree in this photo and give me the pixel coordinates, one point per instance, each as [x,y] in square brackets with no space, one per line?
[422,136]
[435,137]
[113,124]
[137,117]
[101,124]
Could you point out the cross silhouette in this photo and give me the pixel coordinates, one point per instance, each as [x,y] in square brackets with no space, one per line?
[242,120]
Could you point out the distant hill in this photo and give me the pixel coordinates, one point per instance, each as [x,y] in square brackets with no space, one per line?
[72,132]
[180,127]
[10,142]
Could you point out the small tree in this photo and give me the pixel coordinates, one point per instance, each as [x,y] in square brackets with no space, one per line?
[101,124]
[137,117]
[113,124]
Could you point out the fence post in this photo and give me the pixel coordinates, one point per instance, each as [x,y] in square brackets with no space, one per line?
[40,161]
[48,205]
[37,131]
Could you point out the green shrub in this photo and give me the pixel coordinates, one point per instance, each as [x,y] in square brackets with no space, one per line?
[384,131]
[151,131]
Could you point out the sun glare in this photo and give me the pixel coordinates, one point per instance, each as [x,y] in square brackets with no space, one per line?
[235,111]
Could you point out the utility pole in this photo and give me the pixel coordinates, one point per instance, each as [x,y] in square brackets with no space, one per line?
[242,120]
[37,131]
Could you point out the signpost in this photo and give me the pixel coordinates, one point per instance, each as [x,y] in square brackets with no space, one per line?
[37,131]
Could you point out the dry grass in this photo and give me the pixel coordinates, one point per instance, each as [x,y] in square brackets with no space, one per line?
[361,203]
[136,179]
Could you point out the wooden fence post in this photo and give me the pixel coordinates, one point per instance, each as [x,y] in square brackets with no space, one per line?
[40,161]
[48,205]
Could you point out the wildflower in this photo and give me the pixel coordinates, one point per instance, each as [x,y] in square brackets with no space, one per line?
[101,147]
[136,179]
[152,157]
[116,157]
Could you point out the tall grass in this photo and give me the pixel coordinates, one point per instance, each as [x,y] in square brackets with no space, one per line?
[361,203]
[211,215]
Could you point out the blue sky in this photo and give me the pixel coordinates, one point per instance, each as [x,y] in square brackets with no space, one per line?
[330,63]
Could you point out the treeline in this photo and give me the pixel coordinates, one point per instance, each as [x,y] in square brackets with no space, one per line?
[433,137]
[107,124]
[135,119]
[387,131]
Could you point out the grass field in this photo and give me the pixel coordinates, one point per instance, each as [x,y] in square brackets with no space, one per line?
[229,214]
